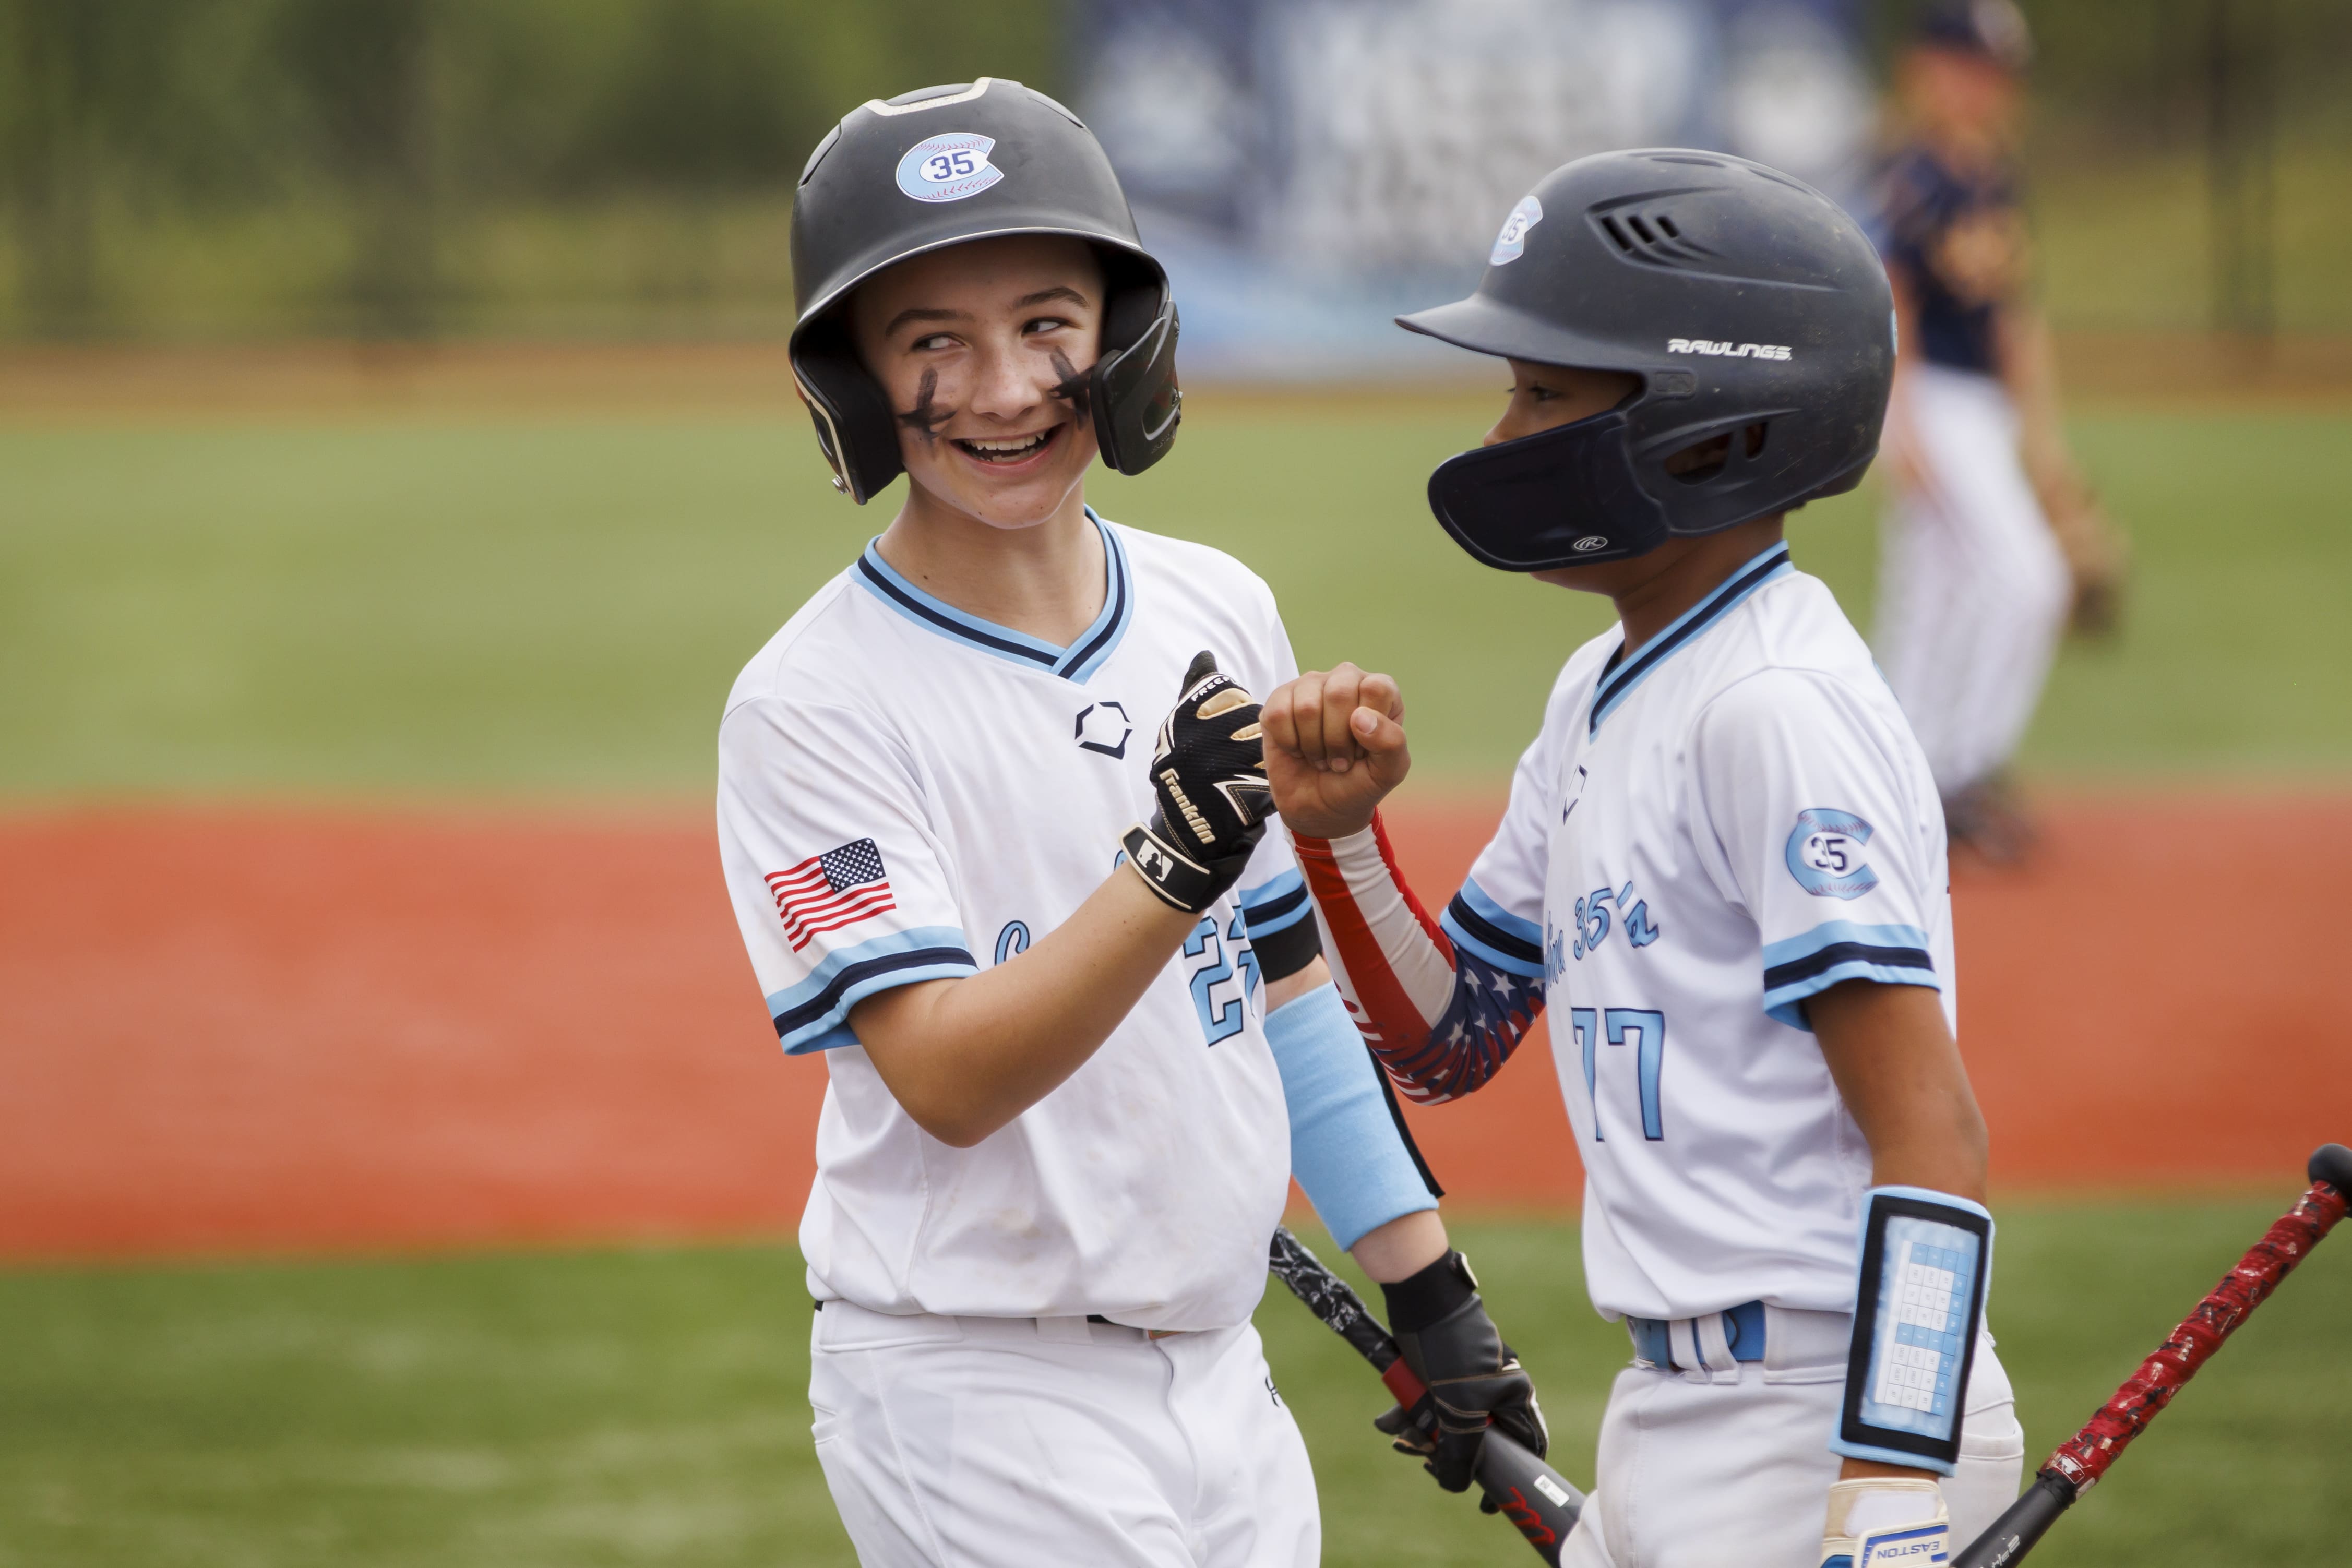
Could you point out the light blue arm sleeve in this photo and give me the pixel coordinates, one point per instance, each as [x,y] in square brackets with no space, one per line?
[1346,1147]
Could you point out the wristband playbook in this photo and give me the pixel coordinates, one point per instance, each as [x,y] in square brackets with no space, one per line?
[1926,1260]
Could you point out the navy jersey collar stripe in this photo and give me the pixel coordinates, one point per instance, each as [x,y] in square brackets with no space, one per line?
[1618,681]
[1096,643]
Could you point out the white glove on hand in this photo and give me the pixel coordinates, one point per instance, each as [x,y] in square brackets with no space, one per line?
[1879,1521]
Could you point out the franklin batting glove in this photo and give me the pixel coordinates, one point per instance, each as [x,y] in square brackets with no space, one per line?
[1208,775]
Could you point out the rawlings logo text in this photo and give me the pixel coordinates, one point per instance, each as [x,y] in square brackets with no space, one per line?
[1727,350]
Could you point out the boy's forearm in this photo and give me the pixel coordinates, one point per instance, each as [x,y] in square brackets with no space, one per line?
[965,1057]
[1900,1074]
[1402,1248]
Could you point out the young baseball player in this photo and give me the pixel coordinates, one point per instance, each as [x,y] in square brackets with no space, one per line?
[1074,1057]
[1992,538]
[1722,867]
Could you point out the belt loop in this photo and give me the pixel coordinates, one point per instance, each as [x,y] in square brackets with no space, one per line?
[1714,1347]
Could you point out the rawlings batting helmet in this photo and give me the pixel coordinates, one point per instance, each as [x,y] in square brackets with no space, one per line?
[941,166]
[1750,306]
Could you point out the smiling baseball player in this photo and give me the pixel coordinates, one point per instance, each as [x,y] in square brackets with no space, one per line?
[1722,867]
[1074,1057]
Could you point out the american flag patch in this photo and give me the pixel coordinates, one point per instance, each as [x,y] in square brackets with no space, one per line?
[836,888]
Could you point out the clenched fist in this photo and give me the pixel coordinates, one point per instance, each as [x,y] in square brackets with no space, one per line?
[1334,749]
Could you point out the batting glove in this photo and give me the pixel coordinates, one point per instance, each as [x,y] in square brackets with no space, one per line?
[1208,775]
[1475,1380]
[1882,1521]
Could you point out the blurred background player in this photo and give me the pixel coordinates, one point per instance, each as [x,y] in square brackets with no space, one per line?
[1075,1060]
[1722,867]
[1993,538]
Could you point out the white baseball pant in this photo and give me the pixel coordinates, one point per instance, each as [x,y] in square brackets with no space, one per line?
[1700,1470]
[1973,588]
[1016,1442]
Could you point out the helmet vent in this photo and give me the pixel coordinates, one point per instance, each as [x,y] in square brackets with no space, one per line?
[1645,232]
[1704,461]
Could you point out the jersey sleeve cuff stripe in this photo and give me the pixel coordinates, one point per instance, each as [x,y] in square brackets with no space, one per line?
[1830,932]
[1781,1003]
[1505,951]
[1275,905]
[830,1030]
[796,1000]
[1836,955]
[1517,928]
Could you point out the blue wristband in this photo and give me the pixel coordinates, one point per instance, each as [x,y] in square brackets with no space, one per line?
[1345,1146]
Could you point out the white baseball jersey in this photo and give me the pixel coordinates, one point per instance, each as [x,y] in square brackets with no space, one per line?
[1703,836]
[907,792]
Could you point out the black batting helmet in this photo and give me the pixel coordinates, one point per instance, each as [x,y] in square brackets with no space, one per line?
[941,166]
[1753,309]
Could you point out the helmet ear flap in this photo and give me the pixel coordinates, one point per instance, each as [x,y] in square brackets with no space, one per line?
[1135,401]
[855,423]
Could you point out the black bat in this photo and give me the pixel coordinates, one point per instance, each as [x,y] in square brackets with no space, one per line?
[1523,1489]
[2078,1465]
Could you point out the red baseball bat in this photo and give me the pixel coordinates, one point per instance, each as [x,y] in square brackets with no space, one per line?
[2079,1463]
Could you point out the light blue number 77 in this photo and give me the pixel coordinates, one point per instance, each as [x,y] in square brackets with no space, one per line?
[1649,1029]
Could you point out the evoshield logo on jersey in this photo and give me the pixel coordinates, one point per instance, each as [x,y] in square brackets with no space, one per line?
[1825,854]
[1104,728]
[1713,350]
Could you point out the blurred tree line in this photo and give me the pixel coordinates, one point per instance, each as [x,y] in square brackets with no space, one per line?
[390,131]
[396,167]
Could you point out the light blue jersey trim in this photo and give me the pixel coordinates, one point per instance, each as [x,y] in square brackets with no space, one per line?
[1482,904]
[812,1015]
[1077,663]
[1098,641]
[1830,932]
[1618,684]
[1288,891]
[1782,1005]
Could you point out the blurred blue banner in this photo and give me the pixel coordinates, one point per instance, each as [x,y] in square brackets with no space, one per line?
[1309,168]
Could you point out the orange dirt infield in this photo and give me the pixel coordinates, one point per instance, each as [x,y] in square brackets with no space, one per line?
[235,1031]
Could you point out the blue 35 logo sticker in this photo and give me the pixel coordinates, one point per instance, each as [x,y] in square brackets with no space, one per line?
[1825,853]
[949,168]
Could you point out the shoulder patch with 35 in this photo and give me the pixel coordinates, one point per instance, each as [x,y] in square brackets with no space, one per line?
[1826,853]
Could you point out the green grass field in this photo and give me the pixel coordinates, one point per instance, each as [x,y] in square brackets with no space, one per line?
[545,606]
[550,608]
[648,1407]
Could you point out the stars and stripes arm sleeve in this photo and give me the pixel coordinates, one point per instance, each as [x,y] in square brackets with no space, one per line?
[1443,1005]
[840,890]
[1825,829]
